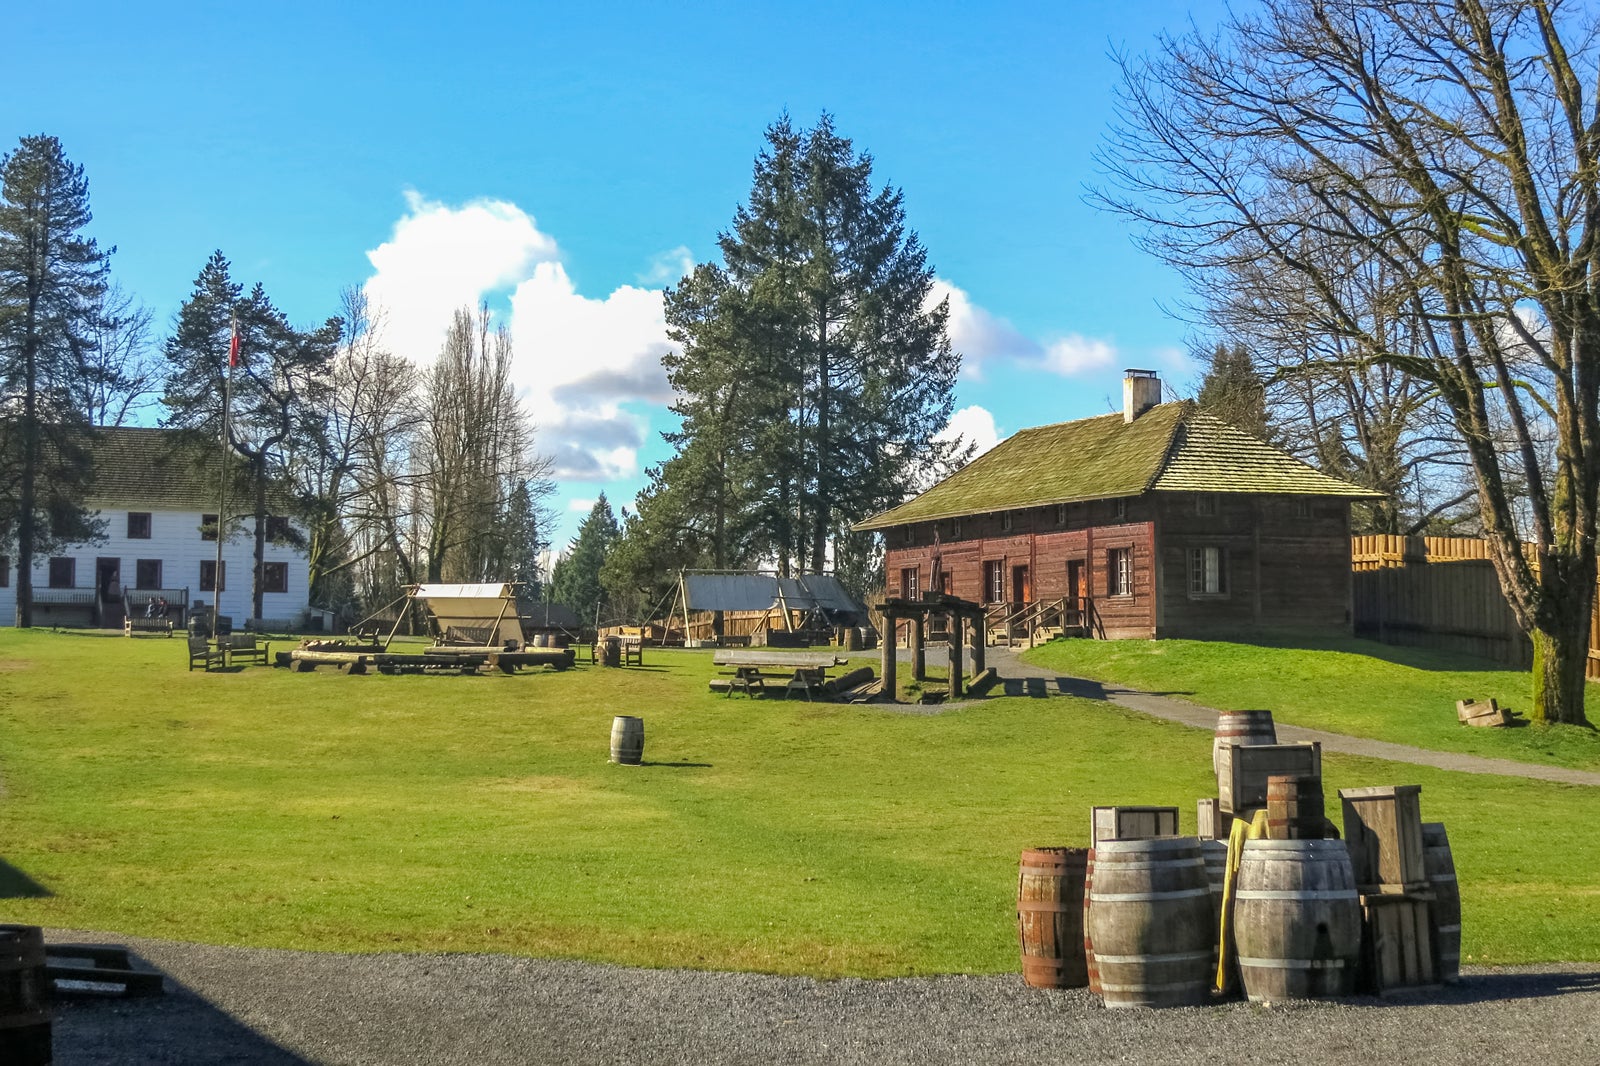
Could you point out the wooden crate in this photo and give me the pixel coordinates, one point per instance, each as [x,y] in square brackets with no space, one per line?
[1383,829]
[1133,823]
[1250,766]
[1211,821]
[1481,713]
[1396,945]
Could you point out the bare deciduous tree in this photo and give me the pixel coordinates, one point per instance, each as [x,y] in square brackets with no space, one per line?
[1453,145]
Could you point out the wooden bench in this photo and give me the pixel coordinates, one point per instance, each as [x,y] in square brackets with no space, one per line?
[203,652]
[132,624]
[632,650]
[243,647]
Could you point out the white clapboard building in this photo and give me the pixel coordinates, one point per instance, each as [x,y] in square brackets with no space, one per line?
[158,500]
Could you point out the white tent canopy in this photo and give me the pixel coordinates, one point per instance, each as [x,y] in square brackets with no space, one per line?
[481,614]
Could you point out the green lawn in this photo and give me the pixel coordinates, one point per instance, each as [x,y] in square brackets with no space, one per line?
[265,807]
[1405,695]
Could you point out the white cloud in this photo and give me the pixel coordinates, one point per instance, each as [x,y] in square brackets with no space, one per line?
[580,506]
[976,425]
[982,337]
[666,268]
[578,360]
[441,258]
[1074,354]
[978,335]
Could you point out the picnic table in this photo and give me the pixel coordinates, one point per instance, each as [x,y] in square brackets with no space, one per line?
[751,670]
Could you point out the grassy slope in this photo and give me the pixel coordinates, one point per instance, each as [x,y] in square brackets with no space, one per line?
[1405,695]
[422,813]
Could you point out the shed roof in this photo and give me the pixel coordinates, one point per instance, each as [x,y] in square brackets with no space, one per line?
[765,592]
[1172,447]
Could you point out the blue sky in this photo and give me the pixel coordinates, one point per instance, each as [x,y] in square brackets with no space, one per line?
[564,164]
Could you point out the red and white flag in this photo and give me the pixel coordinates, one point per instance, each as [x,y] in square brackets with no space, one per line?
[233,347]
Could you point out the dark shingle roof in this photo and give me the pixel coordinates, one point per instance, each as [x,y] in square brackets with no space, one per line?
[1170,448]
[159,470]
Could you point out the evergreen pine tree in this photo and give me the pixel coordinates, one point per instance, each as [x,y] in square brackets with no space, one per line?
[277,393]
[575,580]
[52,279]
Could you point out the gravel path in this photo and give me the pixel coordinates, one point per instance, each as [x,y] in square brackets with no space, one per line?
[1024,679]
[279,1008]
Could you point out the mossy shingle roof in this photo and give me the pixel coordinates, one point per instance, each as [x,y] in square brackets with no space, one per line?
[1170,448]
[154,469]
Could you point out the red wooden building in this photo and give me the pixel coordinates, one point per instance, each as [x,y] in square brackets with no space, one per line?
[1160,521]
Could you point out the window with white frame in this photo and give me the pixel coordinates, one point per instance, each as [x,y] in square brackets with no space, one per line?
[1005,522]
[909,584]
[1119,509]
[1205,505]
[1208,571]
[994,581]
[1119,572]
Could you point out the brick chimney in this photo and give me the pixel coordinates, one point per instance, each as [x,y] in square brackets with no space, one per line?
[1141,390]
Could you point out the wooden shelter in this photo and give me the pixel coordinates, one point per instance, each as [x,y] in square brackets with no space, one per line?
[1160,521]
[762,608]
[964,621]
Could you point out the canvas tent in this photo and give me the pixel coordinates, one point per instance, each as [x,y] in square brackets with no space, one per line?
[753,603]
[483,615]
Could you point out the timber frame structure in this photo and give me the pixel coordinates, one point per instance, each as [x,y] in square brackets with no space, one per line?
[963,617]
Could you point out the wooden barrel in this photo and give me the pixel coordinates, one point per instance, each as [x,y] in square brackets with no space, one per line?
[24,1016]
[1050,917]
[1296,919]
[1444,913]
[1150,920]
[1242,728]
[1294,808]
[627,739]
[609,651]
[1091,968]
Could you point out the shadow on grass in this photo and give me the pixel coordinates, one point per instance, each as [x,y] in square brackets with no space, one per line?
[1081,687]
[14,884]
[678,765]
[181,1025]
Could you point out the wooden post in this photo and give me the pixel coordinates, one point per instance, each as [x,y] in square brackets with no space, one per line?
[980,641]
[956,629]
[887,647]
[919,664]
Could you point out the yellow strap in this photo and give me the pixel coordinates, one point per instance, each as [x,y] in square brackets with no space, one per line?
[1253,829]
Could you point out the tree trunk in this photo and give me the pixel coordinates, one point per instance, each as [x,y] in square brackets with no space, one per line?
[26,492]
[261,537]
[1561,640]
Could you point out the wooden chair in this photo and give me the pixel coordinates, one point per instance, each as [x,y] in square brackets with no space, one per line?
[632,651]
[202,652]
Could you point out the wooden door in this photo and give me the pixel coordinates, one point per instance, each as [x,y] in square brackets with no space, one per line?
[1076,586]
[1021,585]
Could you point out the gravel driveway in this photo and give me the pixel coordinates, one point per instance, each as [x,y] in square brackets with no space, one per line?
[277,1008]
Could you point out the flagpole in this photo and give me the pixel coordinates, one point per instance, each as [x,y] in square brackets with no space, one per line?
[217,579]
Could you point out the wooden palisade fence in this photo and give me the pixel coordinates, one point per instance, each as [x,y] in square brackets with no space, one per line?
[1440,592]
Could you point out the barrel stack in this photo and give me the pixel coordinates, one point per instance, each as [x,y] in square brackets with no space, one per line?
[1266,897]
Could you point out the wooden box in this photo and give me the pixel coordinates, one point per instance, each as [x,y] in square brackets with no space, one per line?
[1133,823]
[1396,945]
[1211,821]
[1383,830]
[1250,766]
[1482,713]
